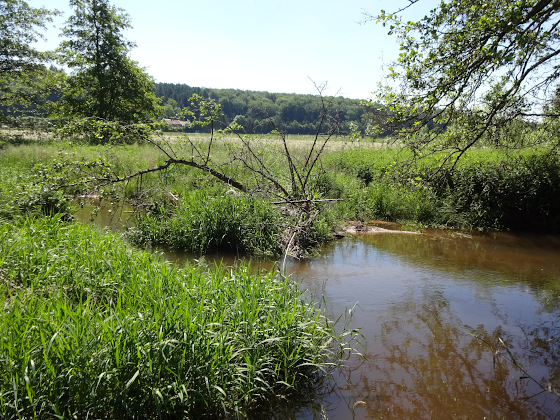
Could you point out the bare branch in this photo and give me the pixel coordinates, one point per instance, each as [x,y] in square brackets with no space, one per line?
[221,176]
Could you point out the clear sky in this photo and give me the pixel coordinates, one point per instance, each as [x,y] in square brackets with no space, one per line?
[272,45]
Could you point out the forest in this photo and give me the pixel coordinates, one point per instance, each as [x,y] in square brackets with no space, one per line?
[263,112]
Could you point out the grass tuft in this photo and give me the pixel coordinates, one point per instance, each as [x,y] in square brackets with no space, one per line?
[205,222]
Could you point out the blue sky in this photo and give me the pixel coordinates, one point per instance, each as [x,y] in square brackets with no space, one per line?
[276,46]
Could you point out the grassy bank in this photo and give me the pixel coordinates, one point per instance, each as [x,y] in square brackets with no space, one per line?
[191,210]
[486,190]
[92,328]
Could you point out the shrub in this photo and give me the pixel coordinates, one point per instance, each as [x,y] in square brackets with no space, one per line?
[518,193]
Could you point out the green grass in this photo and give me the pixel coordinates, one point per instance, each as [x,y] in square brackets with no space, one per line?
[488,189]
[208,221]
[92,328]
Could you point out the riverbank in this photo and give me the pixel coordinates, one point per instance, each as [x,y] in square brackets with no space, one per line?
[189,209]
[94,328]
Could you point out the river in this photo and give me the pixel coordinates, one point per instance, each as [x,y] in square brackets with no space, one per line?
[452,325]
[455,326]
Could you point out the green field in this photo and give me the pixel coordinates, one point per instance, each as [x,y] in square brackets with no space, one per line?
[488,189]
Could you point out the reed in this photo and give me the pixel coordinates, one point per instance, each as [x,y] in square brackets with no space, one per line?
[92,328]
[207,220]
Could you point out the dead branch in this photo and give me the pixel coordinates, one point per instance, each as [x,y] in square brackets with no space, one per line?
[220,175]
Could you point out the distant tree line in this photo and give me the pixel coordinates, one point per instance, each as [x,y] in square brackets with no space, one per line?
[262,112]
[104,88]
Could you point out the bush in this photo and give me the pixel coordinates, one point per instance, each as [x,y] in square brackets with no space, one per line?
[519,193]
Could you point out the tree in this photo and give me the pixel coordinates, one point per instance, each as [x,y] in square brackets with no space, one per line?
[105,84]
[20,63]
[270,167]
[172,108]
[472,69]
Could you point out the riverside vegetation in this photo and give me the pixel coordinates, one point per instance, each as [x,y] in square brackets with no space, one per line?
[92,327]
[189,209]
[83,307]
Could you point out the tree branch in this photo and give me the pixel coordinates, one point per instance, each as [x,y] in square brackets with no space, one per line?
[221,176]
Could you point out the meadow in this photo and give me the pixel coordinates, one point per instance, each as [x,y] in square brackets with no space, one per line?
[190,209]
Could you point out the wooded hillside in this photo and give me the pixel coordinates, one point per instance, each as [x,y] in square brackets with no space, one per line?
[261,112]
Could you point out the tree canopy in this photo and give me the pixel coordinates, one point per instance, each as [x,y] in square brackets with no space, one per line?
[20,61]
[471,69]
[262,112]
[105,83]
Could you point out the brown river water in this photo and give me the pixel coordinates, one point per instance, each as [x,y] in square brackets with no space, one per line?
[453,325]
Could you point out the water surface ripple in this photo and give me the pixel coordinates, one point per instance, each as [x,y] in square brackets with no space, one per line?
[455,326]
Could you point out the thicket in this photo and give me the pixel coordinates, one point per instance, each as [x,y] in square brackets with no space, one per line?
[486,190]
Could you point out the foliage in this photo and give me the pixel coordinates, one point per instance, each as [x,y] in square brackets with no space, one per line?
[204,222]
[26,190]
[97,131]
[105,84]
[261,112]
[470,69]
[518,193]
[40,199]
[22,67]
[118,333]
[247,166]
[486,190]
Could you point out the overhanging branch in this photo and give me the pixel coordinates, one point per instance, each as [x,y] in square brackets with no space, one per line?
[219,175]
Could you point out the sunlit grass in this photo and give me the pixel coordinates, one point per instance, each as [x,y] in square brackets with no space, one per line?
[94,329]
[488,188]
[209,221]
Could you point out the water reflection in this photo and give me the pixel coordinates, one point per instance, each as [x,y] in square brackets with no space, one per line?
[431,364]
[443,317]
[104,213]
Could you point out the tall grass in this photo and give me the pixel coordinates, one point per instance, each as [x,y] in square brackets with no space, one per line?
[207,221]
[487,189]
[91,328]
